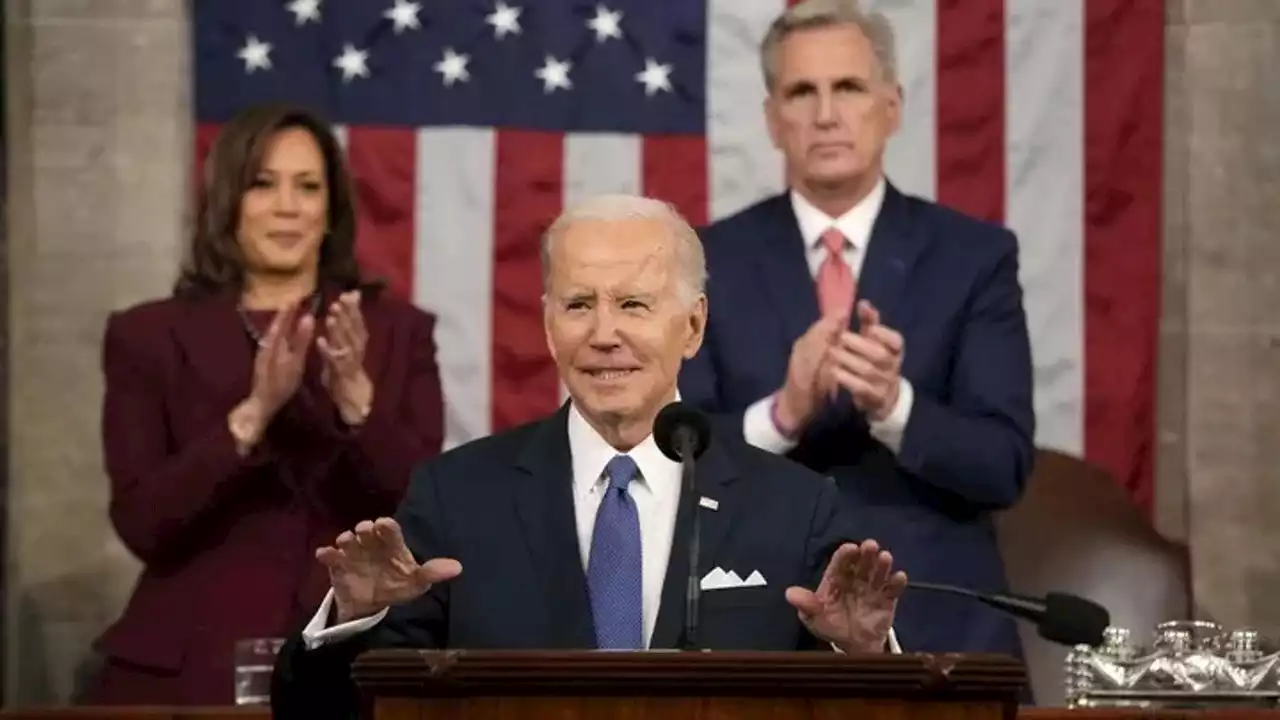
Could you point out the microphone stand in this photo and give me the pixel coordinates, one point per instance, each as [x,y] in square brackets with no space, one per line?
[693,591]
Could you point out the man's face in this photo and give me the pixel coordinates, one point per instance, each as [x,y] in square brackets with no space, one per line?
[616,323]
[831,111]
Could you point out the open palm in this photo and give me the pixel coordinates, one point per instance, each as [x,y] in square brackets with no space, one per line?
[371,568]
[854,604]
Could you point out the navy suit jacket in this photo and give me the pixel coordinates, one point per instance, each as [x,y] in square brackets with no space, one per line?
[949,284]
[503,507]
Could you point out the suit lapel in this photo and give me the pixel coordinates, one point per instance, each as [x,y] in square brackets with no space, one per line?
[782,268]
[544,506]
[896,244]
[217,347]
[714,476]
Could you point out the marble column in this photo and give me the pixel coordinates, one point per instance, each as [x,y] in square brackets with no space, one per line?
[99,134]
[1223,236]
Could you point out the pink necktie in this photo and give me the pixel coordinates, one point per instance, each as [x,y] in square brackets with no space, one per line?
[835,279]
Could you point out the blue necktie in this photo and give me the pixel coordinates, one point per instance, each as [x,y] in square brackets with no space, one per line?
[613,568]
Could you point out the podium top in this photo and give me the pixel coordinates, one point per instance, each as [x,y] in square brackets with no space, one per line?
[461,673]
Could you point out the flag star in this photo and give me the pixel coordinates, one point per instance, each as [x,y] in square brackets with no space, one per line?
[654,77]
[352,62]
[606,23]
[304,10]
[453,67]
[554,74]
[255,54]
[404,15]
[505,20]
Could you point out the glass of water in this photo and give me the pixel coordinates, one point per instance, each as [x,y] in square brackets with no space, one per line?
[254,660]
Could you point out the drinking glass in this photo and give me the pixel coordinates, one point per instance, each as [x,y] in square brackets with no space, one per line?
[254,660]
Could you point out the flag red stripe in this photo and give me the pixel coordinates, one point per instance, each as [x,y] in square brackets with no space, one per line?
[383,169]
[970,125]
[529,193]
[674,168]
[206,133]
[1124,69]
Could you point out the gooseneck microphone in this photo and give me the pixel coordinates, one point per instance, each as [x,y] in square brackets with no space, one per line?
[1059,617]
[682,433]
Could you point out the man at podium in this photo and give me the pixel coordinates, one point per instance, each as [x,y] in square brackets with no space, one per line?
[567,533]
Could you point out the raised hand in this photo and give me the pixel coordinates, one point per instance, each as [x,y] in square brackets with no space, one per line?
[281,358]
[868,363]
[343,347]
[805,386]
[371,568]
[855,602]
[277,372]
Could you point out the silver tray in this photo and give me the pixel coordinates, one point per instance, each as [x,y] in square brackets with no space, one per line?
[1175,699]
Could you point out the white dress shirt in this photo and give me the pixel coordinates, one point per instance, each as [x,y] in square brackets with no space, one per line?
[656,493]
[856,224]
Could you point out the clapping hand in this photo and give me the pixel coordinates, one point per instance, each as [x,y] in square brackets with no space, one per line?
[343,346]
[371,568]
[855,602]
[806,384]
[868,363]
[277,372]
[281,358]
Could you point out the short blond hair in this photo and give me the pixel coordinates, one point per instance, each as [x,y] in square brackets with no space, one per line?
[692,261]
[826,13]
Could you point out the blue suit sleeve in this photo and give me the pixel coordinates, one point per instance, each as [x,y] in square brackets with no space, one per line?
[830,527]
[979,444]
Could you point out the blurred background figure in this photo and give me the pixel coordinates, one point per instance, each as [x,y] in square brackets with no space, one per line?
[275,399]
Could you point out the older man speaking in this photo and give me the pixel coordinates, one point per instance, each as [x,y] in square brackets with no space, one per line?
[559,534]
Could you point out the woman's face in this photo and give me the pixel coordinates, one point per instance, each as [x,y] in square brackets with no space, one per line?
[285,211]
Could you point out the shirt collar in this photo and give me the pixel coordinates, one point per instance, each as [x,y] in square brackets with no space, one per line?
[591,453]
[855,224]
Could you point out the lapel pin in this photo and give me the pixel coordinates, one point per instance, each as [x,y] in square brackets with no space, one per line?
[708,503]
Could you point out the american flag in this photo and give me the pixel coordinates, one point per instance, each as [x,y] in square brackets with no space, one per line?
[469,124]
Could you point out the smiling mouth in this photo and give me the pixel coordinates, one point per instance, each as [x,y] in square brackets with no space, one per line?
[611,373]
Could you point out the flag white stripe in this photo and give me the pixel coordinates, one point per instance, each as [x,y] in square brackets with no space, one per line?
[600,163]
[340,134]
[743,167]
[1044,42]
[453,268]
[911,156]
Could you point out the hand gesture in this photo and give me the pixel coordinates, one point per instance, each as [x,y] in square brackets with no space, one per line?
[372,569]
[281,358]
[854,605]
[343,346]
[868,363]
[805,386]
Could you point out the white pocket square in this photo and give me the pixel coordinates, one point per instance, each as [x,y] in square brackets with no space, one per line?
[718,579]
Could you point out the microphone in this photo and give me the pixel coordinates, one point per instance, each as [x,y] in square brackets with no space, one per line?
[1059,617]
[682,433]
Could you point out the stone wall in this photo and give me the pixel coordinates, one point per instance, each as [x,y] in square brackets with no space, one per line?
[98,131]
[1221,357]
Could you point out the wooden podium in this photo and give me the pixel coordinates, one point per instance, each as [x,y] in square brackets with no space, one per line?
[474,685]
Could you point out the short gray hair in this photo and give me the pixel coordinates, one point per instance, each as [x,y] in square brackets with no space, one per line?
[826,13]
[692,271]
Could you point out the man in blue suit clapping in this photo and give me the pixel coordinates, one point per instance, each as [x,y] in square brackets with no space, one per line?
[870,335]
